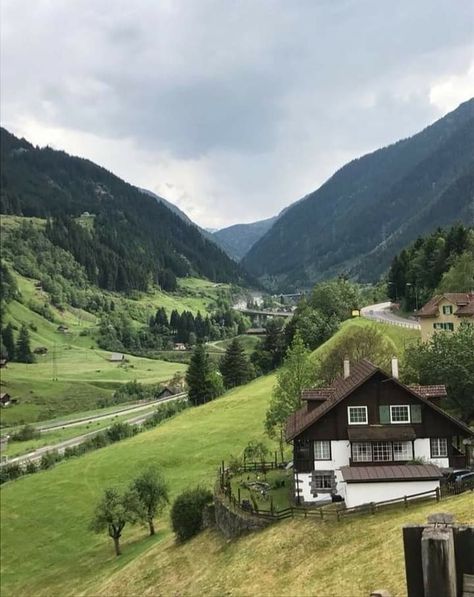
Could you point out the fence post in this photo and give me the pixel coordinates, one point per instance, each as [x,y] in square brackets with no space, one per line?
[405,501]
[337,515]
[276,459]
[438,497]
[438,562]
[321,513]
[271,505]
[238,494]
[373,507]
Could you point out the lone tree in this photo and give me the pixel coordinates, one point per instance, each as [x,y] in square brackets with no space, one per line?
[198,377]
[112,513]
[23,352]
[297,373]
[151,491]
[234,366]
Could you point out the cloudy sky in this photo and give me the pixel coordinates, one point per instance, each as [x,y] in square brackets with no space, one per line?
[232,109]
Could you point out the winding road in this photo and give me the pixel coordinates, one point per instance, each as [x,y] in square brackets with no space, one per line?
[382,312]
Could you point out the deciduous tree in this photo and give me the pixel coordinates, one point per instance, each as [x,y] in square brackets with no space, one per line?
[152,496]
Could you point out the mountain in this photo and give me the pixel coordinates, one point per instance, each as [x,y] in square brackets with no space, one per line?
[372,207]
[133,240]
[238,239]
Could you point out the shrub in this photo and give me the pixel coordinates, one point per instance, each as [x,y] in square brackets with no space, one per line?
[10,472]
[119,431]
[30,468]
[25,433]
[187,512]
[49,459]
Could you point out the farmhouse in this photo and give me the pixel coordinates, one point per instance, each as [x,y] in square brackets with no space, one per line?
[179,346]
[370,438]
[116,357]
[446,312]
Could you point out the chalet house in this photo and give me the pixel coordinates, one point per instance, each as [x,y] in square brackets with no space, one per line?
[370,438]
[179,346]
[446,312]
[117,357]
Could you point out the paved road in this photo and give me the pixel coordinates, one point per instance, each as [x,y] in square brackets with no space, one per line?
[75,441]
[381,312]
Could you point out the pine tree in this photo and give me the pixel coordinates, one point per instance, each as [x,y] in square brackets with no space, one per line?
[200,388]
[234,366]
[9,341]
[23,350]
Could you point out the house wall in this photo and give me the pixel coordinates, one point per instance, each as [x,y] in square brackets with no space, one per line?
[426,323]
[422,449]
[305,490]
[357,494]
[340,455]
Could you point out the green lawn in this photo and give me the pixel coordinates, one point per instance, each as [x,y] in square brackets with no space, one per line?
[248,343]
[279,492]
[46,547]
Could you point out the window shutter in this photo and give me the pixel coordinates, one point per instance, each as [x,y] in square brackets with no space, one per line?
[384,414]
[415,413]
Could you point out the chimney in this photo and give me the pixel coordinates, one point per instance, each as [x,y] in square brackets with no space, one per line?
[395,367]
[347,367]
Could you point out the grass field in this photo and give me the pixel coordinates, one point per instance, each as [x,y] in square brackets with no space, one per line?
[345,559]
[248,343]
[47,549]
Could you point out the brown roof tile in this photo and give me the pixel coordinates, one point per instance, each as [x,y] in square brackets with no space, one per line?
[434,391]
[402,472]
[463,300]
[319,394]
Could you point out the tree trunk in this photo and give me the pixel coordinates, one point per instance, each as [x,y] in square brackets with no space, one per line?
[117,546]
[151,527]
[281,444]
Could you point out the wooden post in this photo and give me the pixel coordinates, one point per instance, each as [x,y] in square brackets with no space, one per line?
[405,501]
[373,507]
[412,549]
[337,515]
[271,505]
[321,513]
[438,562]
[276,459]
[238,494]
[437,494]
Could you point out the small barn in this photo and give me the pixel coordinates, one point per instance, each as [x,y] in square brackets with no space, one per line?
[166,392]
[179,346]
[5,399]
[63,329]
[117,357]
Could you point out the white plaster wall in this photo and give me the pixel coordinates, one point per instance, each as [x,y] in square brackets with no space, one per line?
[340,454]
[357,494]
[422,450]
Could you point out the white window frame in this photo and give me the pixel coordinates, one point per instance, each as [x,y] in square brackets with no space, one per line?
[366,422]
[438,442]
[378,450]
[322,446]
[392,407]
[367,449]
[320,475]
[448,310]
[406,452]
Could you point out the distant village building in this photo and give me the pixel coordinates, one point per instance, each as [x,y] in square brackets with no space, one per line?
[166,392]
[446,312]
[63,329]
[40,350]
[370,438]
[117,357]
[5,399]
[179,346]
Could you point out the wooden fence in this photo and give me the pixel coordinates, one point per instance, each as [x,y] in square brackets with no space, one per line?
[224,488]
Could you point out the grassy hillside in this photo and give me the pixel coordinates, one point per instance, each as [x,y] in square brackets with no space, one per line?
[61,557]
[346,559]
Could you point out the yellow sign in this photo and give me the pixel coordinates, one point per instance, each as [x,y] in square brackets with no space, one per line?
[355,313]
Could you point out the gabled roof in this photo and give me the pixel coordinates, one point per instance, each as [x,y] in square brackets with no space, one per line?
[405,472]
[463,300]
[318,394]
[436,391]
[360,373]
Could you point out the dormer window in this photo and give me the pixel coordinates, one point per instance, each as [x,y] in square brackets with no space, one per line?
[400,414]
[357,415]
[447,310]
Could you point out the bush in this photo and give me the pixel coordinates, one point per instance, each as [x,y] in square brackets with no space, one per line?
[187,511]
[26,433]
[30,468]
[10,472]
[49,459]
[119,431]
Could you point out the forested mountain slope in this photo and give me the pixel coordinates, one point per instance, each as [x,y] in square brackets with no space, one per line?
[238,239]
[131,239]
[372,207]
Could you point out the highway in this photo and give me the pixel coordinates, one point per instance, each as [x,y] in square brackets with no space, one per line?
[382,312]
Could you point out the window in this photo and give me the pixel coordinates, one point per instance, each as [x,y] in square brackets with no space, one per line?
[449,327]
[322,481]
[402,450]
[362,452]
[439,447]
[382,451]
[357,415]
[447,310]
[400,414]
[322,450]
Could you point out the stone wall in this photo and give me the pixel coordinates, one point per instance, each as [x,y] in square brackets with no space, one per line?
[232,523]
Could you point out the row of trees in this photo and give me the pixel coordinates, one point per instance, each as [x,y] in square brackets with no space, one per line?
[18,350]
[440,262]
[144,500]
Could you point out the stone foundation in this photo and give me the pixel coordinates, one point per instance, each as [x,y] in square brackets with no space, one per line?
[233,523]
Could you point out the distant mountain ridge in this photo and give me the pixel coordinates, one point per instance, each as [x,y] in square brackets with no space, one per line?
[135,239]
[367,211]
[238,239]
